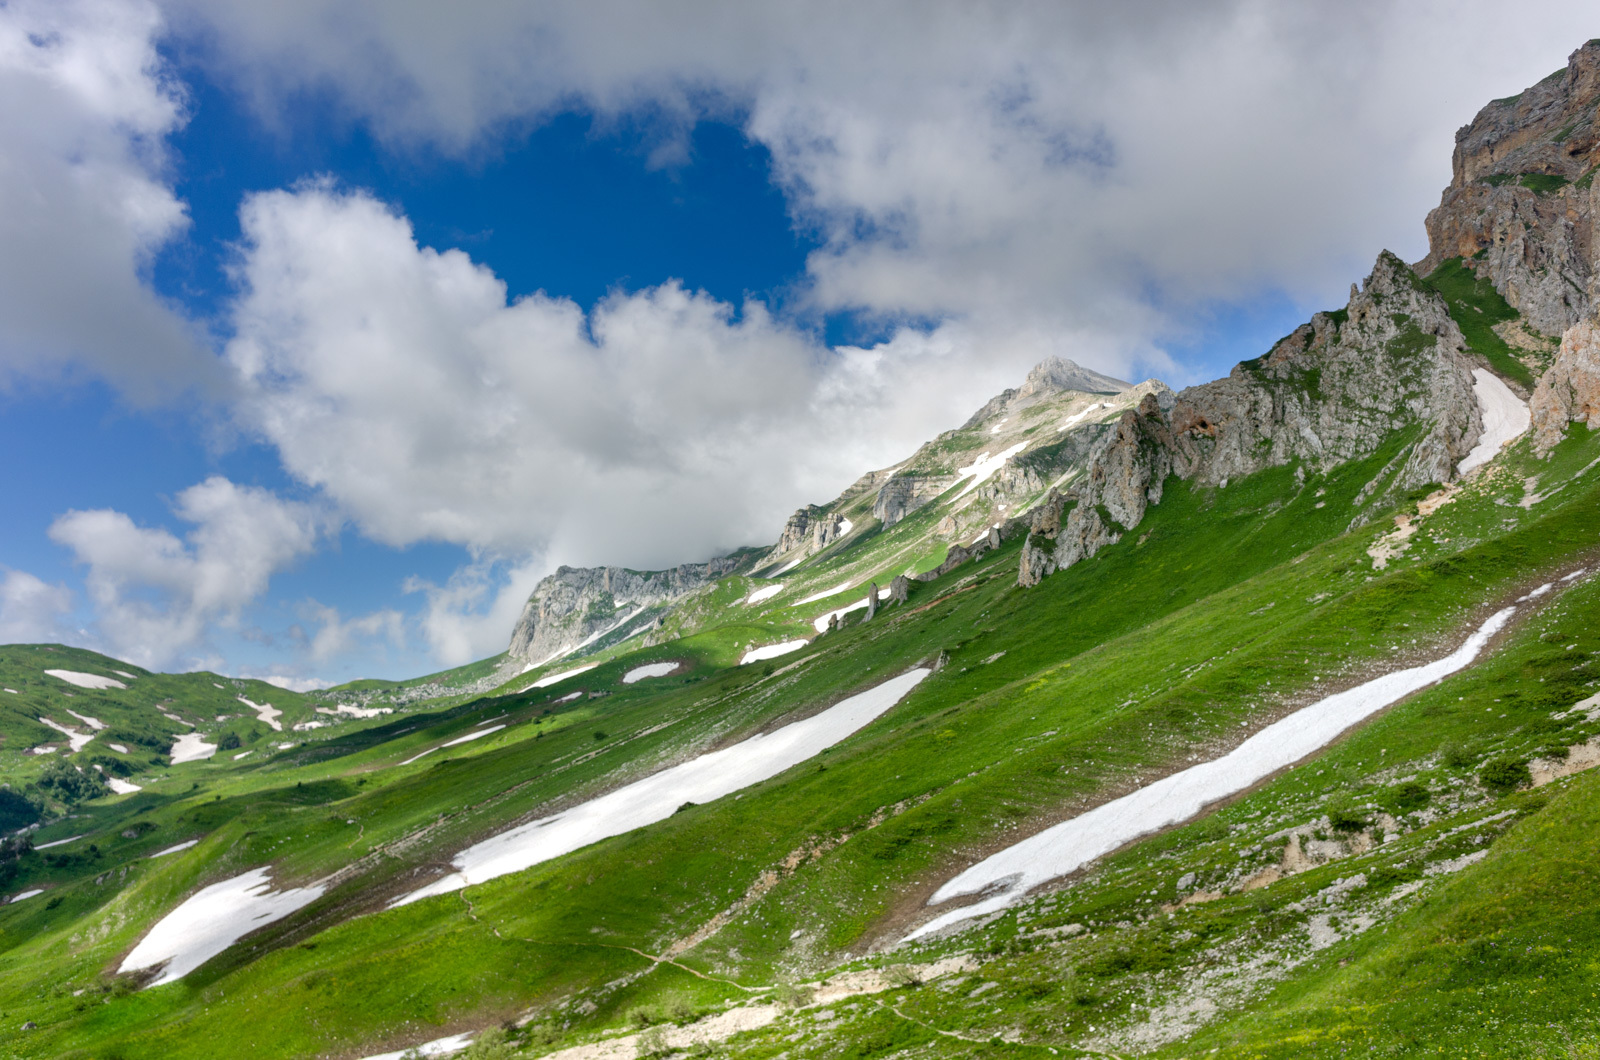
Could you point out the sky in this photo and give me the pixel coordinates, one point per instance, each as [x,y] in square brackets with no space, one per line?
[329,327]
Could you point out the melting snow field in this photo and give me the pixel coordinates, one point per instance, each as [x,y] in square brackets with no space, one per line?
[1070,845]
[27,894]
[766,592]
[639,673]
[549,679]
[266,713]
[211,920]
[703,779]
[821,622]
[451,743]
[82,680]
[772,651]
[1505,417]
[569,697]
[94,723]
[191,747]
[985,466]
[122,787]
[824,594]
[438,1047]
[77,740]
[174,849]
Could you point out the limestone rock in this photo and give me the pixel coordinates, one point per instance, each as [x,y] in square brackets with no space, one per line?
[872,602]
[1518,197]
[1330,392]
[1570,389]
[899,589]
[576,604]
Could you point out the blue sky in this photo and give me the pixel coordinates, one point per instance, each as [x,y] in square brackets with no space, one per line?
[328,329]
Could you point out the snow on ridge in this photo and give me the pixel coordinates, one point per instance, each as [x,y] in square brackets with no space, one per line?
[657,797]
[83,680]
[1505,417]
[1063,848]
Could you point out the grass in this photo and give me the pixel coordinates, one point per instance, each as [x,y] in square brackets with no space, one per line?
[1224,608]
[1476,307]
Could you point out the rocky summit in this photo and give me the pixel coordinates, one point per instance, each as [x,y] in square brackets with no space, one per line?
[1256,720]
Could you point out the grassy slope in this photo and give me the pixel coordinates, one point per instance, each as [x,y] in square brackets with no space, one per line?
[1110,669]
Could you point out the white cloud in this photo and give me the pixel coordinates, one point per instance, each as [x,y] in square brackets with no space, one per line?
[471,616]
[33,611]
[291,684]
[85,200]
[337,637]
[155,595]
[664,424]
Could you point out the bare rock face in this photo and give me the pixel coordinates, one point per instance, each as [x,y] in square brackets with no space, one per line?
[899,589]
[872,602]
[577,604]
[1523,197]
[1570,389]
[1329,393]
[808,531]
[901,495]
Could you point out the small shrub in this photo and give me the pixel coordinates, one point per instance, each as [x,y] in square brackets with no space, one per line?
[1457,755]
[1410,796]
[230,742]
[1343,819]
[599,736]
[1505,775]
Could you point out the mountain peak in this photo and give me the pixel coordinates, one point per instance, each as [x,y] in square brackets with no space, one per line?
[1058,373]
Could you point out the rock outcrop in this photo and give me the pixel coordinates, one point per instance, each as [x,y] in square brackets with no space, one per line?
[808,531]
[1331,392]
[580,605]
[1570,389]
[1521,203]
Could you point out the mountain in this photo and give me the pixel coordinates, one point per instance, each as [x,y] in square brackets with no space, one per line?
[1253,720]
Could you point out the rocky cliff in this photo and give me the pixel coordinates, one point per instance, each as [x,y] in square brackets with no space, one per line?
[1521,203]
[1570,390]
[578,606]
[1332,391]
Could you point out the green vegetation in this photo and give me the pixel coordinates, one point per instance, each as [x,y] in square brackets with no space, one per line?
[1476,307]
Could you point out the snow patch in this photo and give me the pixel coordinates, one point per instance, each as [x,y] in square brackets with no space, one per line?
[701,780]
[549,679]
[656,669]
[569,697]
[438,1047]
[821,621]
[191,747]
[117,747]
[458,740]
[13,691]
[124,673]
[28,894]
[93,723]
[59,842]
[122,787]
[772,651]
[824,594]
[266,712]
[82,680]
[985,466]
[766,592]
[211,920]
[77,740]
[1067,846]
[1505,416]
[185,845]
[1076,416]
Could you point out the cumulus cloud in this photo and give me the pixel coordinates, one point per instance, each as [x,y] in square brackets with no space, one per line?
[156,595]
[85,200]
[337,636]
[33,611]
[1075,167]
[661,425]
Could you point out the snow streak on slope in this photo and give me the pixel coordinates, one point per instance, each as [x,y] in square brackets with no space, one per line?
[772,651]
[550,679]
[211,920]
[821,622]
[1070,845]
[1505,416]
[703,779]
[83,680]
